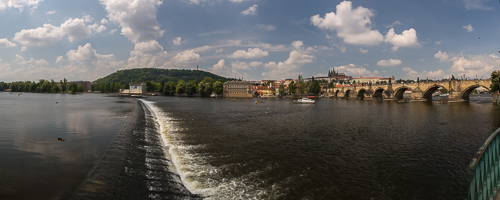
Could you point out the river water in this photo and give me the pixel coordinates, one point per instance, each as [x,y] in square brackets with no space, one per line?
[225,149]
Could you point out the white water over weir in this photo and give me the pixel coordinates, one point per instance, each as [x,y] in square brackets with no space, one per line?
[197,175]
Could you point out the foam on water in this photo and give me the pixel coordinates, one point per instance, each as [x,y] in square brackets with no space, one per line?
[201,178]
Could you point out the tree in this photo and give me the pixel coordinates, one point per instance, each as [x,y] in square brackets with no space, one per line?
[149,86]
[495,81]
[281,89]
[73,88]
[292,88]
[302,87]
[190,88]
[208,88]
[315,88]
[180,88]
[218,87]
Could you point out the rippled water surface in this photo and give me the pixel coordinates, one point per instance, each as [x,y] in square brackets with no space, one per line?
[33,163]
[335,149]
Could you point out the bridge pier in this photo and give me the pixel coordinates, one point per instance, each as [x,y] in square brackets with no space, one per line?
[418,95]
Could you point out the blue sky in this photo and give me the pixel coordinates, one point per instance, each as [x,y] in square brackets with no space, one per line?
[252,39]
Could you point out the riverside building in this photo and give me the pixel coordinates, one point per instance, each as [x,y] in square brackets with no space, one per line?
[237,89]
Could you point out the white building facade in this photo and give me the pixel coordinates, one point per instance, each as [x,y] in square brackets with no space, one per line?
[137,88]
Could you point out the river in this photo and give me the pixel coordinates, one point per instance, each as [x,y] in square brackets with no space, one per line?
[225,149]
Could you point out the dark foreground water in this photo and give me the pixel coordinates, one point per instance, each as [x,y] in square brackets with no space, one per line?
[33,163]
[187,148]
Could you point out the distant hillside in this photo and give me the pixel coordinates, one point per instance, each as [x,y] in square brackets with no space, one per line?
[157,75]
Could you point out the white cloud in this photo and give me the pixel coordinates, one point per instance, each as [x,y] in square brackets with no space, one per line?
[480,65]
[355,70]
[252,10]
[407,39]
[136,17]
[74,29]
[23,48]
[86,53]
[112,31]
[148,48]
[5,43]
[104,21]
[51,12]
[442,56]
[244,65]
[475,5]
[412,74]
[32,62]
[363,50]
[266,27]
[468,28]
[19,4]
[222,69]
[59,59]
[186,58]
[219,51]
[237,1]
[41,36]
[353,26]
[389,62]
[290,66]
[178,41]
[251,53]
[255,64]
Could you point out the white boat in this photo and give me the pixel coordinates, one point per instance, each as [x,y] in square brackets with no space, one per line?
[304,100]
[444,95]
[213,95]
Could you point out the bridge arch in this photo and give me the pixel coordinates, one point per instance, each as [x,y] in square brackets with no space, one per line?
[361,94]
[430,90]
[336,95]
[398,92]
[468,90]
[378,94]
[346,94]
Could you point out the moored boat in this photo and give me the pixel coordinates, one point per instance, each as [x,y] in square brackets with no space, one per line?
[304,100]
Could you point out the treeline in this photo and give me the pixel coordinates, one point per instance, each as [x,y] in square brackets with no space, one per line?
[42,86]
[206,86]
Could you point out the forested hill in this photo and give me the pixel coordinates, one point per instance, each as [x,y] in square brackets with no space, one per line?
[157,75]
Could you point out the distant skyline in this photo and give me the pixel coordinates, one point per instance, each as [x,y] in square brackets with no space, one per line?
[252,39]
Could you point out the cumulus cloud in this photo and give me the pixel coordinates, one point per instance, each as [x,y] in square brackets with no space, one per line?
[412,74]
[363,50]
[251,53]
[252,10]
[237,1]
[244,65]
[222,69]
[74,29]
[86,53]
[480,65]
[216,32]
[186,58]
[355,70]
[59,59]
[51,12]
[468,28]
[136,17]
[178,41]
[353,26]
[5,43]
[19,4]
[389,62]
[475,5]
[406,39]
[288,68]
[442,56]
[31,62]
[148,48]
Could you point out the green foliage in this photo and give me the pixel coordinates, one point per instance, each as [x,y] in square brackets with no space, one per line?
[180,87]
[73,88]
[495,81]
[218,87]
[302,87]
[157,75]
[315,88]
[292,88]
[281,89]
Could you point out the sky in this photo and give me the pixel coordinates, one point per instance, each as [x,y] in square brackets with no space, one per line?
[249,39]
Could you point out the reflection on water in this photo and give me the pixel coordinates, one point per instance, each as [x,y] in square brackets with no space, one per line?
[32,157]
[340,149]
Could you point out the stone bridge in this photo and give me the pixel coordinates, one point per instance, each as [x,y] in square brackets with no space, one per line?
[459,90]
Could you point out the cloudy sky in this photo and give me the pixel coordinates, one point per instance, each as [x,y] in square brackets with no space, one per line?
[252,39]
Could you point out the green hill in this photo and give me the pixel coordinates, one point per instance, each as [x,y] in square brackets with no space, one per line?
[157,75]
